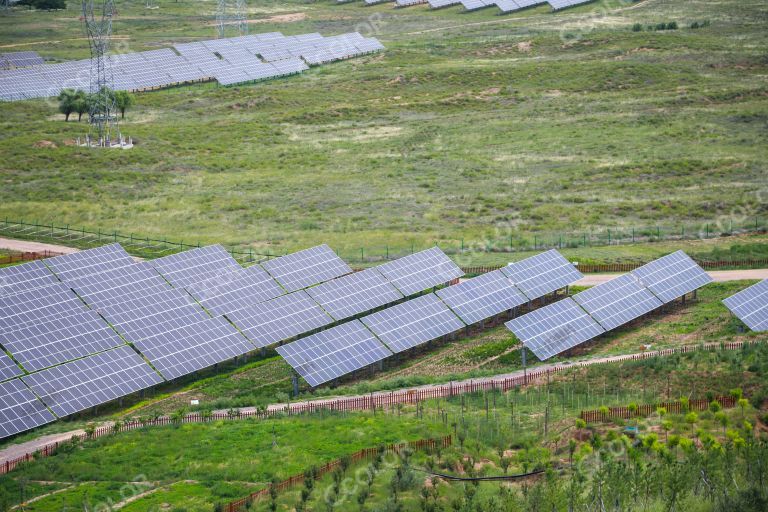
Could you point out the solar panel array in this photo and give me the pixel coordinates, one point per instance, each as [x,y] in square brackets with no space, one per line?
[20,409]
[563,325]
[236,290]
[751,306]
[279,319]
[93,261]
[306,268]
[8,369]
[505,6]
[355,293]
[20,278]
[195,265]
[193,346]
[229,61]
[335,352]
[554,328]
[420,271]
[34,306]
[482,297]
[617,301]
[48,343]
[20,60]
[672,276]
[542,274]
[564,4]
[93,380]
[413,323]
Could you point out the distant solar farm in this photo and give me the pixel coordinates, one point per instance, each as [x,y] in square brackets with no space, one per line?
[505,6]
[90,327]
[228,61]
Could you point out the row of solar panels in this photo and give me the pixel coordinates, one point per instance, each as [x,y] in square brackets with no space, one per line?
[351,346]
[20,60]
[505,6]
[560,326]
[751,306]
[53,312]
[229,61]
[77,361]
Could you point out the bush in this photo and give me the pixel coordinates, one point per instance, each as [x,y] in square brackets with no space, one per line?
[695,25]
[637,27]
[672,25]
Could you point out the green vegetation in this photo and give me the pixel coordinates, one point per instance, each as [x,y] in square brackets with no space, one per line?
[198,465]
[383,151]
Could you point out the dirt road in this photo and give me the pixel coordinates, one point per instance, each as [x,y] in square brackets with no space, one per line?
[25,246]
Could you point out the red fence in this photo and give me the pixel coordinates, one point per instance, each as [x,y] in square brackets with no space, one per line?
[675,407]
[367,453]
[379,400]
[607,268]
[27,256]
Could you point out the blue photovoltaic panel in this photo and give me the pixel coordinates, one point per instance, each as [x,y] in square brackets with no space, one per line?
[194,266]
[332,353]
[420,271]
[354,294]
[88,262]
[158,323]
[617,301]
[751,306]
[672,276]
[53,342]
[482,297]
[236,290]
[137,308]
[555,328]
[8,369]
[53,301]
[279,319]
[306,268]
[412,323]
[25,277]
[542,274]
[91,381]
[193,347]
[112,286]
[20,409]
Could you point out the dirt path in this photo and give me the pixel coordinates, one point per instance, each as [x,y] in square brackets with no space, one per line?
[26,246]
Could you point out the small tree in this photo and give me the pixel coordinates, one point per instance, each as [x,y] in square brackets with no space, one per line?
[123,101]
[691,418]
[722,419]
[81,105]
[67,102]
[505,463]
[715,406]
[743,403]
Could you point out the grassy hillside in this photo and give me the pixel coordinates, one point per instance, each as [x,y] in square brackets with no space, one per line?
[470,126]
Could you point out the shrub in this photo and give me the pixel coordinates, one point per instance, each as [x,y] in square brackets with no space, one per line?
[637,27]
[695,25]
[44,5]
[672,25]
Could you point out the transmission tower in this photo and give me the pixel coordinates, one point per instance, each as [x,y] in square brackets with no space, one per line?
[104,129]
[230,14]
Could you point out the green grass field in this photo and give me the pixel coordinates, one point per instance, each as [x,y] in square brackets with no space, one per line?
[470,126]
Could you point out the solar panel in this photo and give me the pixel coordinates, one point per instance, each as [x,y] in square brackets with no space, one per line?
[160,322]
[52,342]
[88,382]
[138,308]
[332,353]
[20,409]
[354,294]
[53,301]
[751,306]
[672,276]
[111,286]
[412,323]
[482,297]
[542,274]
[280,318]
[236,290]
[554,328]
[8,369]
[193,347]
[91,261]
[306,268]
[420,271]
[196,265]
[617,301]
[25,277]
